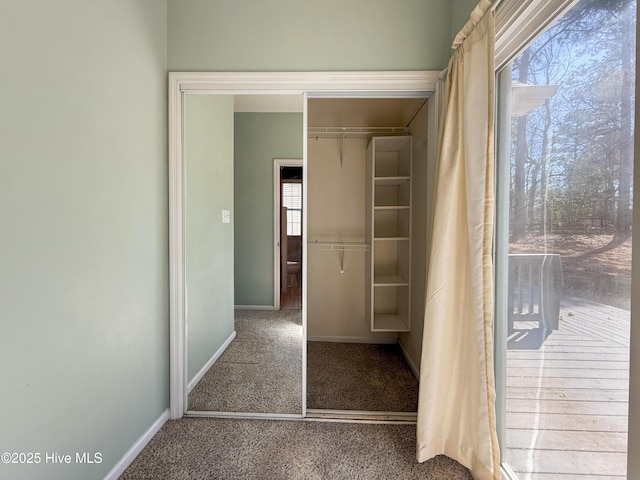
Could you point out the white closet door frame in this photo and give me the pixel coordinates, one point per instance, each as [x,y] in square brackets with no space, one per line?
[401,84]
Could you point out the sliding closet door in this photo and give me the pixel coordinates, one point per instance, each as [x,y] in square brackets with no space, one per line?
[208,140]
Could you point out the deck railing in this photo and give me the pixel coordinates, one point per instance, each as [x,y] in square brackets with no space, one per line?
[535,290]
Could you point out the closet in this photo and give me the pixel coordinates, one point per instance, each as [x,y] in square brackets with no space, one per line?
[368,205]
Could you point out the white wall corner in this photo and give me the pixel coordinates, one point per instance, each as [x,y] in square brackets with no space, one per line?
[414,368]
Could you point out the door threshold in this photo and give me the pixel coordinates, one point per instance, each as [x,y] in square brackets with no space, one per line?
[242,415]
[317,415]
[361,416]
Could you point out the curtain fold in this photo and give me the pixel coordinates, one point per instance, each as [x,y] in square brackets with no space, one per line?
[456,407]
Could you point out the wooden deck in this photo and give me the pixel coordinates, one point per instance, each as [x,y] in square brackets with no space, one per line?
[567,395]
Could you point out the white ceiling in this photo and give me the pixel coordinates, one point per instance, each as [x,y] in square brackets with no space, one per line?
[363,112]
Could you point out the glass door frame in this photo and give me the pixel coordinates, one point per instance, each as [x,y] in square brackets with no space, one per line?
[509,43]
[501,252]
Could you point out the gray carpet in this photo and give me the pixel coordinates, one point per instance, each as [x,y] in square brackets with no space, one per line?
[355,376]
[261,370]
[199,448]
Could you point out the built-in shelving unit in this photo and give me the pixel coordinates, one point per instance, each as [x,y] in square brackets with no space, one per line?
[388,232]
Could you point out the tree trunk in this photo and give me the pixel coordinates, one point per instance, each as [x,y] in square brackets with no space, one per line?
[625,171]
[519,194]
[544,165]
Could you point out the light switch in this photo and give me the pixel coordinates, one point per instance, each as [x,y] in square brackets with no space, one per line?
[226,216]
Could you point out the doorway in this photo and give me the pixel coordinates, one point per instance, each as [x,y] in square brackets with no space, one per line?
[288,217]
[398,84]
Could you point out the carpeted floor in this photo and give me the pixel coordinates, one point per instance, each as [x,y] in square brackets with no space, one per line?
[207,448]
[356,376]
[261,370]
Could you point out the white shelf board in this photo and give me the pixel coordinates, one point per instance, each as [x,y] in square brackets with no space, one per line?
[389,281]
[388,322]
[391,181]
[391,144]
[392,207]
[390,239]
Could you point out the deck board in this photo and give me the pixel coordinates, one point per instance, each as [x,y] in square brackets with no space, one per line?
[558,440]
[576,462]
[567,407]
[567,395]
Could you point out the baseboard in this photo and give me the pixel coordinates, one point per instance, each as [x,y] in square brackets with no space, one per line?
[254,307]
[371,340]
[130,455]
[414,369]
[198,376]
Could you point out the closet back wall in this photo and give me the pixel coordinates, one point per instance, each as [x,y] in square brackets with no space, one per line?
[259,138]
[337,207]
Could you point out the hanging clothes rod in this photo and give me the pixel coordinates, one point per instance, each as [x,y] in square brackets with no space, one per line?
[341,245]
[354,132]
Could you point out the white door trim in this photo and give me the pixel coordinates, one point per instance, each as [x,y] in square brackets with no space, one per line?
[277,164]
[313,84]
[317,84]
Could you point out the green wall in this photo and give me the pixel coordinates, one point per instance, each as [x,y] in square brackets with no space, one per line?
[460,12]
[83,232]
[299,35]
[209,242]
[259,138]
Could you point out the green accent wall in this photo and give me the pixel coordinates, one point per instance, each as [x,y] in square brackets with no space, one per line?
[209,242]
[302,35]
[460,12]
[259,138]
[84,361]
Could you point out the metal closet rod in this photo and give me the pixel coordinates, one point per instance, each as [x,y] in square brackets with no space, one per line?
[340,245]
[353,133]
[349,132]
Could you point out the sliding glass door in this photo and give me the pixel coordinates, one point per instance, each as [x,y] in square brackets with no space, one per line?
[563,251]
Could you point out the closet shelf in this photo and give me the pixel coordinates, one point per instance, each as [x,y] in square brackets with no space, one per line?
[353,132]
[390,322]
[388,228]
[391,181]
[342,245]
[389,281]
[390,239]
[391,207]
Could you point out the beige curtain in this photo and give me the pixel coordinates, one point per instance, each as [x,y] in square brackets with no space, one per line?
[456,408]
